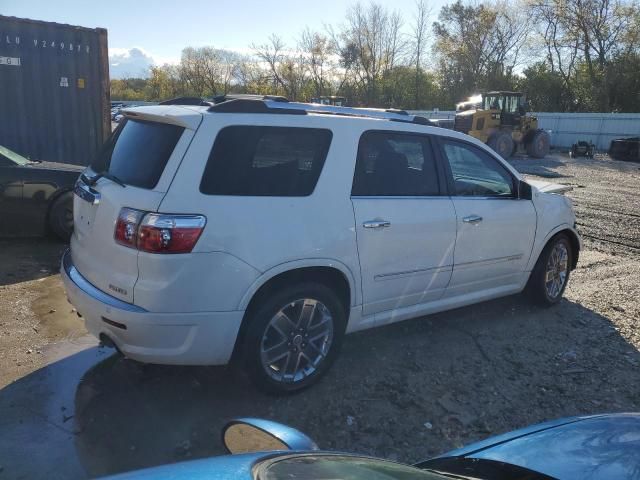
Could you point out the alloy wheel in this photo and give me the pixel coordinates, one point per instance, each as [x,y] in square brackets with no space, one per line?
[557,269]
[297,340]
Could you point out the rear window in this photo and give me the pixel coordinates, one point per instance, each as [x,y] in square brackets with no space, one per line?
[138,152]
[265,161]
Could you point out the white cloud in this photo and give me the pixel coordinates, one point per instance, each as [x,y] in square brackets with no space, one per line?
[133,62]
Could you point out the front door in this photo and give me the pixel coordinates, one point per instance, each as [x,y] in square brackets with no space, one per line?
[405,228]
[496,229]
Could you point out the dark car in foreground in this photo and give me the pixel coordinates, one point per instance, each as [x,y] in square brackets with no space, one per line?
[35,197]
[590,447]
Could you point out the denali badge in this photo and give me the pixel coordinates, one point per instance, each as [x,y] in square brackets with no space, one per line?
[119,290]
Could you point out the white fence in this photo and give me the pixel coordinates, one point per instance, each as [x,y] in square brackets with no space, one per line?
[568,128]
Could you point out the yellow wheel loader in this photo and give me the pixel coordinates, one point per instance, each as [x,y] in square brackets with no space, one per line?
[500,120]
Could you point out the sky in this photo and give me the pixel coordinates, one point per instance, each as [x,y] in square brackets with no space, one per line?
[143,32]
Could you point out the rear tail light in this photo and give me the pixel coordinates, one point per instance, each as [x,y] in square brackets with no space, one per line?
[127,227]
[158,232]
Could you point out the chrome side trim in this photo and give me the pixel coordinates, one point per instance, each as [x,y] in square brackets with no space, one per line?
[86,193]
[95,293]
[495,197]
[489,261]
[400,197]
[394,275]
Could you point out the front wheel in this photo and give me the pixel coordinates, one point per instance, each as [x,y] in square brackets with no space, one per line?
[502,143]
[550,276]
[293,337]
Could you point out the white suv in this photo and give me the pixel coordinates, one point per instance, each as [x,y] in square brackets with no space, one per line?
[265,230]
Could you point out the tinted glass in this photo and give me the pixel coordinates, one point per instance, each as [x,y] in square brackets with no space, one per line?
[322,467]
[476,173]
[265,161]
[139,151]
[392,164]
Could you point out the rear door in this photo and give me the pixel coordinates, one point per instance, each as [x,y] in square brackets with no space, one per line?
[144,154]
[496,229]
[405,228]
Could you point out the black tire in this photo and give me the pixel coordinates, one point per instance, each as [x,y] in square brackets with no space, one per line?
[502,143]
[60,217]
[537,284]
[539,145]
[258,330]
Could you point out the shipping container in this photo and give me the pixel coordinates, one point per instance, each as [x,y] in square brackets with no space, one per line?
[54,90]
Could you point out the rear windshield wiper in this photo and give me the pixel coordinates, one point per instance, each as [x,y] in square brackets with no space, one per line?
[92,181]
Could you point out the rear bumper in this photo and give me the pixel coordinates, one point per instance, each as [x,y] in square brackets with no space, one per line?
[198,338]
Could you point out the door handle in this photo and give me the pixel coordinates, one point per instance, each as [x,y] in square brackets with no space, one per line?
[376,224]
[472,219]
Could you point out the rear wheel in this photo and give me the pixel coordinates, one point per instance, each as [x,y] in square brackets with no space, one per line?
[502,143]
[551,273]
[293,337]
[61,216]
[538,146]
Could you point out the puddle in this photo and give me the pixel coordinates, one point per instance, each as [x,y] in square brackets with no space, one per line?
[37,414]
[57,317]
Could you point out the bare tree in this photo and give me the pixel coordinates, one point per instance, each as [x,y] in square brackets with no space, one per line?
[478,46]
[318,51]
[419,37]
[371,44]
[206,70]
[592,32]
[288,69]
[510,34]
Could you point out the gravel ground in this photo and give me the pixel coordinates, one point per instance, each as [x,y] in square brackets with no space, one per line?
[605,195]
[34,311]
[406,391]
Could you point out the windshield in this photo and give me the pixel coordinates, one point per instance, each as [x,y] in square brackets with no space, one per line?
[340,467]
[507,103]
[13,156]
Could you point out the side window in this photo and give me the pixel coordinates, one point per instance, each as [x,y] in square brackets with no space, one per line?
[265,161]
[476,173]
[394,164]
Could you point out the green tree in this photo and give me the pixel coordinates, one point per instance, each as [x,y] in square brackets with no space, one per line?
[545,89]
[478,46]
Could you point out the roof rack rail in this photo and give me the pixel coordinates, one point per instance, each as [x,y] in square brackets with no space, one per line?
[279,105]
[397,110]
[246,105]
[247,96]
[186,101]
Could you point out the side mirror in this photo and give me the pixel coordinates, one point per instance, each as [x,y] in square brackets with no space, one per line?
[247,435]
[524,190]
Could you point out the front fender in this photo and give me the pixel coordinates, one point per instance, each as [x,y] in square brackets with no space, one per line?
[539,245]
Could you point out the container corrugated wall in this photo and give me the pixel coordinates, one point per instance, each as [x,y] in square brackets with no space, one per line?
[54,90]
[598,128]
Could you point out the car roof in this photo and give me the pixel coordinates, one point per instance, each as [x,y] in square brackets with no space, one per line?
[190,116]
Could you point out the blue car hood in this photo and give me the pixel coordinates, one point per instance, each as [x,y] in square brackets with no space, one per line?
[594,447]
[226,467]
